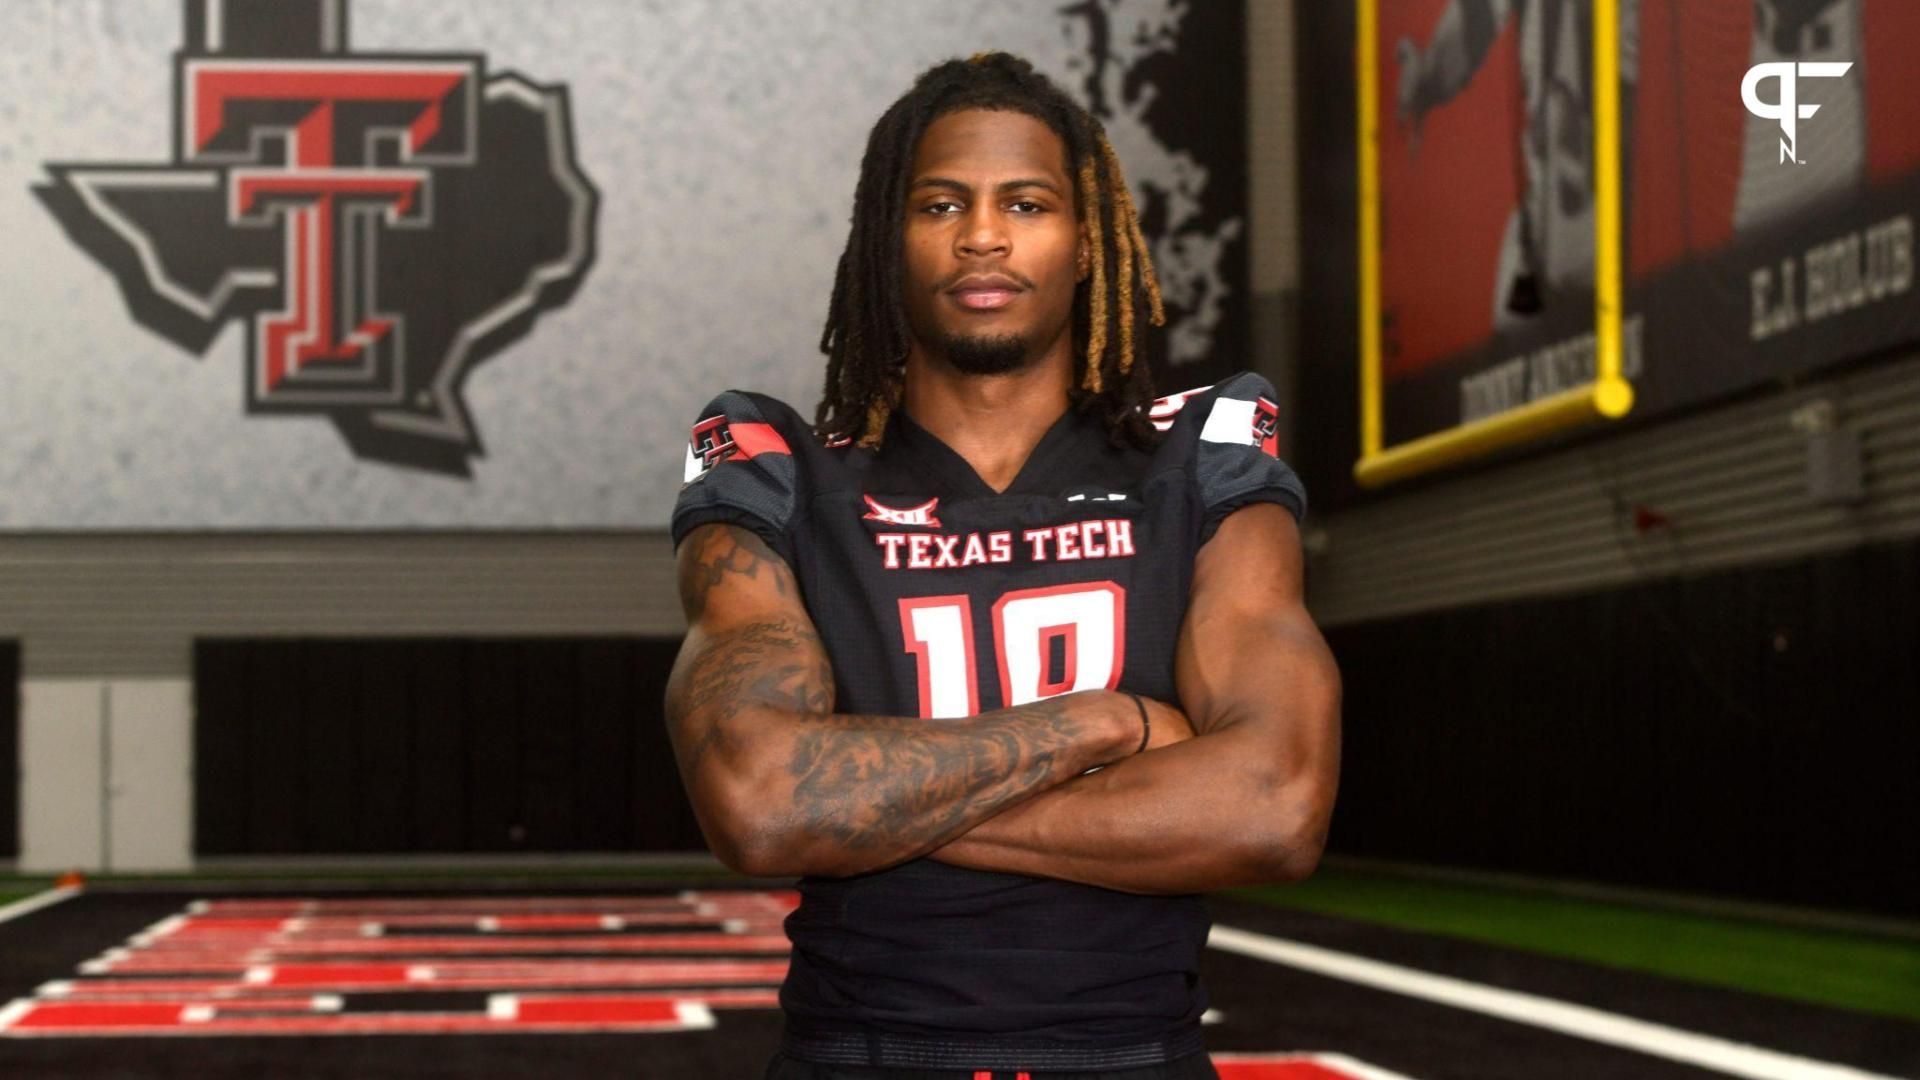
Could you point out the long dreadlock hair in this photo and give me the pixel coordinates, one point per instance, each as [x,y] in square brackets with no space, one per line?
[866,334]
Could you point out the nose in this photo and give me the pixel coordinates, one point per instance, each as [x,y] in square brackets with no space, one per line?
[983,233]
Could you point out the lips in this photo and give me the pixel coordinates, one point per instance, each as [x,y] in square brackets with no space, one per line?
[985,292]
[984,299]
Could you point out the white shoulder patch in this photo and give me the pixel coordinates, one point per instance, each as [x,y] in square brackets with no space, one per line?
[1230,421]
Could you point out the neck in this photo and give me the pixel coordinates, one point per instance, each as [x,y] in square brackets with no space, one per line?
[993,421]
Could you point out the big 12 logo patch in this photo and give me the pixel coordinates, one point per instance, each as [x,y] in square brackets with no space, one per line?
[380,223]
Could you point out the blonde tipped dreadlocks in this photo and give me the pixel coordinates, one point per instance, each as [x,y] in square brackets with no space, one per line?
[1097,315]
[866,333]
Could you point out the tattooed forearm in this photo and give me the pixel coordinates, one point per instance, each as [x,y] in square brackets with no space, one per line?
[855,792]
[884,785]
[777,664]
[783,784]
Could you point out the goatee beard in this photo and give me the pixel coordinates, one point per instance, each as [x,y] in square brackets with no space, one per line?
[985,355]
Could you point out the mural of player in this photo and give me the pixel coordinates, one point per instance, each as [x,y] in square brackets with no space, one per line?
[1547,248]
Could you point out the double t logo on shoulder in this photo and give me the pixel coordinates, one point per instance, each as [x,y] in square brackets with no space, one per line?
[381,223]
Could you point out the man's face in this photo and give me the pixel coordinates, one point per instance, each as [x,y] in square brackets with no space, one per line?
[993,246]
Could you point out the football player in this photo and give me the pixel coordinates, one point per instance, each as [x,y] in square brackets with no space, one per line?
[1004,658]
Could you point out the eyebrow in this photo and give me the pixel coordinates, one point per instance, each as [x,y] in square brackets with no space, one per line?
[1003,187]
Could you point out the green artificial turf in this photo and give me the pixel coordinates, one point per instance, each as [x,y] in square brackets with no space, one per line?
[1848,971]
[13,887]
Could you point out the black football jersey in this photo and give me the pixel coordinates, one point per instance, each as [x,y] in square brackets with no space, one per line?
[938,597]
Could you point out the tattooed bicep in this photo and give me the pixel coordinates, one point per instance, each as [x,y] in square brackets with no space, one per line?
[717,559]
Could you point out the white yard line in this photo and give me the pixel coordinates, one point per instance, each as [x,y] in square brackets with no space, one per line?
[1659,1040]
[30,904]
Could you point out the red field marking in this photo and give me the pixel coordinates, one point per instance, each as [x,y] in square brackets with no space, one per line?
[464,905]
[326,926]
[782,901]
[166,955]
[205,924]
[552,964]
[472,975]
[1297,1067]
[584,1006]
[504,1015]
[281,1002]
[1279,1070]
[779,902]
[190,947]
[520,924]
[263,1003]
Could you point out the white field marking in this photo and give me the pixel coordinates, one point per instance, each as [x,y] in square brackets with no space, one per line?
[27,905]
[503,1007]
[1356,1067]
[1581,1021]
[13,1011]
[158,930]
[104,963]
[332,1003]
[146,937]
[57,988]
[488,924]
[1350,1066]
[694,1014]
[1212,1016]
[612,922]
[200,1013]
[734,926]
[199,907]
[258,975]
[419,973]
[371,929]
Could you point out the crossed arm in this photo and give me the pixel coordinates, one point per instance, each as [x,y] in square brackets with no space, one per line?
[782,785]
[1249,798]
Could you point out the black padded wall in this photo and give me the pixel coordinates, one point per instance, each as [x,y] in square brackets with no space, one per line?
[9,749]
[1753,733]
[395,746]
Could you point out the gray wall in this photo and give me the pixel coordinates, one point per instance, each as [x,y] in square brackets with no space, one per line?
[1733,483]
[724,140]
[96,606]
[1273,200]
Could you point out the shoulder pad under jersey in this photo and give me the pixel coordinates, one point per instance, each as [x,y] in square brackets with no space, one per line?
[1231,430]
[739,468]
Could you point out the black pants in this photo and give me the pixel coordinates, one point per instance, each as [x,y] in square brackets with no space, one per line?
[782,1067]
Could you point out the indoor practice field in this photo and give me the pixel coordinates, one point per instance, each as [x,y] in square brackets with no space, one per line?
[1362,974]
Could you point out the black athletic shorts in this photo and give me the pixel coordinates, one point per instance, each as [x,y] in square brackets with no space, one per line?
[783,1067]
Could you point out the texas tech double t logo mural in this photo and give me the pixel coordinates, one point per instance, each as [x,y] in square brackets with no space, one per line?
[380,223]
